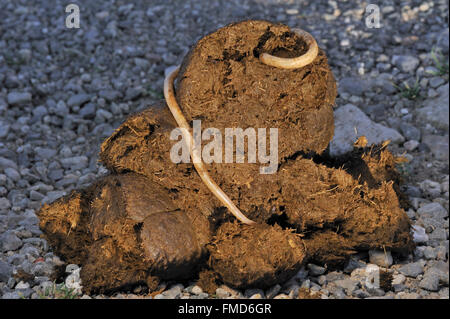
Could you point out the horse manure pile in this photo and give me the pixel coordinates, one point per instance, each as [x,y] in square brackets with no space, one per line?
[152,220]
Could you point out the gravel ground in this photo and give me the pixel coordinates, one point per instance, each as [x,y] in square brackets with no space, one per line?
[64,90]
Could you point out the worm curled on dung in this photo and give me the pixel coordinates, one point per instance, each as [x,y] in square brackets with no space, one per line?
[297,62]
[196,157]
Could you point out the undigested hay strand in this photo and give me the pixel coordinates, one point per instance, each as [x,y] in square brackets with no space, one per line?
[171,101]
[297,62]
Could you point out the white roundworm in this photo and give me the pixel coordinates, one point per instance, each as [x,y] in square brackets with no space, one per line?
[171,101]
[297,62]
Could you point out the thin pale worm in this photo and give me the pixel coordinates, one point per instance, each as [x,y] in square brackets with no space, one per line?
[297,62]
[171,101]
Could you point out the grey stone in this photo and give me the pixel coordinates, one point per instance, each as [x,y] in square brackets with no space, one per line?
[103,130]
[61,108]
[25,55]
[22,285]
[436,111]
[46,153]
[322,280]
[439,234]
[75,163]
[438,145]
[109,95]
[251,292]
[445,184]
[12,173]
[382,84]
[78,100]
[115,108]
[103,115]
[65,151]
[429,253]
[52,196]
[339,293]
[410,132]
[399,287]
[348,285]
[9,241]
[39,112]
[42,269]
[442,41]
[406,63]
[302,274]
[376,292]
[444,293]
[11,283]
[38,242]
[398,282]
[418,252]
[30,251]
[18,98]
[174,292]
[359,293]
[88,111]
[196,290]
[433,210]
[411,213]
[202,295]
[4,128]
[411,145]
[222,293]
[3,181]
[335,275]
[411,269]
[16,259]
[375,111]
[440,265]
[4,203]
[315,270]
[436,82]
[86,77]
[5,271]
[430,187]
[419,234]
[11,295]
[3,192]
[383,67]
[351,123]
[133,93]
[352,264]
[442,274]
[5,163]
[67,180]
[353,86]
[441,252]
[430,282]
